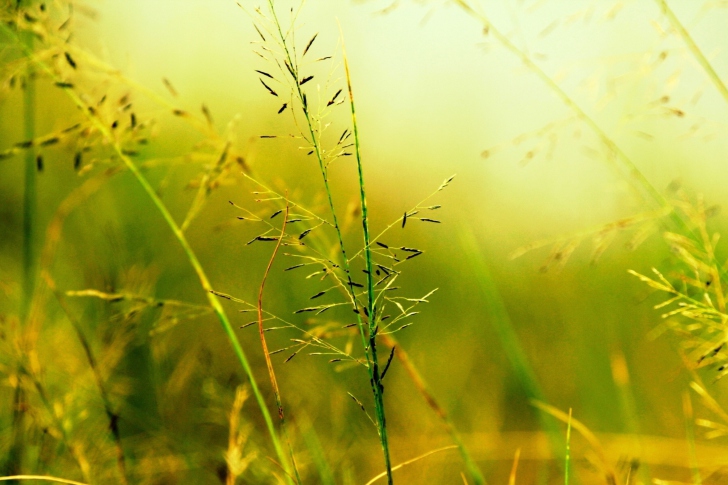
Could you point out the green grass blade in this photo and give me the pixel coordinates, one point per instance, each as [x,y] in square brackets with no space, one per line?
[12,463]
[310,437]
[507,336]
[29,196]
[567,458]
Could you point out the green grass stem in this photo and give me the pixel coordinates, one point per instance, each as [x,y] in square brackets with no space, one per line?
[29,194]
[14,459]
[567,457]
[377,387]
[368,341]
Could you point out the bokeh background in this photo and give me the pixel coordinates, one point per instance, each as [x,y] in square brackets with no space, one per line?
[436,96]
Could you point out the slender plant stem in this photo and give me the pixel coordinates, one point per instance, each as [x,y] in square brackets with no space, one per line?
[629,166]
[694,49]
[345,260]
[368,337]
[179,235]
[567,458]
[377,386]
[30,192]
[42,478]
[266,353]
[14,457]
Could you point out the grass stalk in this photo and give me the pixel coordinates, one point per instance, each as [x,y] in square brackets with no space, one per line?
[409,462]
[179,235]
[567,457]
[693,47]
[514,468]
[608,471]
[266,353]
[628,406]
[30,192]
[14,460]
[368,337]
[633,173]
[377,386]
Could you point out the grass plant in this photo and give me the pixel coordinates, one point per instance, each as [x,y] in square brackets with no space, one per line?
[281,52]
[124,157]
[100,380]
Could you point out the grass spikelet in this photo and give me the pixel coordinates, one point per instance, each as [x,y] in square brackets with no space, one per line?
[170,88]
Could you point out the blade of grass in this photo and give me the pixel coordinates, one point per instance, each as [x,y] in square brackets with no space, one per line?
[179,235]
[14,459]
[507,336]
[620,376]
[326,476]
[266,353]
[514,469]
[567,458]
[609,474]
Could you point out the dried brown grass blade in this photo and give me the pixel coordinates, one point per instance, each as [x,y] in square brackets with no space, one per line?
[264,344]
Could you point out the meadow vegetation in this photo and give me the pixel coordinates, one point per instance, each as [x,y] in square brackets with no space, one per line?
[187,300]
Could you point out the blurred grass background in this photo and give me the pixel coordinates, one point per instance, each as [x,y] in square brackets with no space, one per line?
[434,93]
